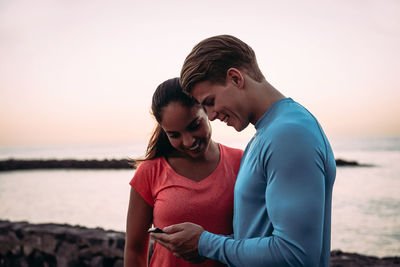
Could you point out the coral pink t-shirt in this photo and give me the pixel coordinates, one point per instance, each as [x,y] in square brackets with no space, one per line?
[176,199]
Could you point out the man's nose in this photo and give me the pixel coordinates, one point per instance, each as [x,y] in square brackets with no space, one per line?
[212,115]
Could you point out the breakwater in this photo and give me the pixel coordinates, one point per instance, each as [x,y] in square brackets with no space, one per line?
[21,164]
[61,245]
[32,164]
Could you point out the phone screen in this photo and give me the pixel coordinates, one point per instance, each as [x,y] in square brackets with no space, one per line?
[155,230]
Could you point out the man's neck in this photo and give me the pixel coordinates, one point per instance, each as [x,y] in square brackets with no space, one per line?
[263,96]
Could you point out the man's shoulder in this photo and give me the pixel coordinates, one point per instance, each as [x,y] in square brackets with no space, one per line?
[297,129]
[295,119]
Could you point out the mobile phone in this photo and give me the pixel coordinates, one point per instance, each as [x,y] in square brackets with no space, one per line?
[155,230]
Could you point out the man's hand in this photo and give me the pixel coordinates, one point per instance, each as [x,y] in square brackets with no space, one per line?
[182,239]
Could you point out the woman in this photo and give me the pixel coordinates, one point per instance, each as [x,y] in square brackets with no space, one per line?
[185,176]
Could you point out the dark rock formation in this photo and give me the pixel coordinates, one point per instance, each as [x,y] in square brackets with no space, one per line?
[342,162]
[23,244]
[342,259]
[21,164]
[40,245]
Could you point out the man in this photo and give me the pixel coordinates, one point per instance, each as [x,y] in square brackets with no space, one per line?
[283,192]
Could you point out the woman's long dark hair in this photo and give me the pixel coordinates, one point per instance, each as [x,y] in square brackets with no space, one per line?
[167,92]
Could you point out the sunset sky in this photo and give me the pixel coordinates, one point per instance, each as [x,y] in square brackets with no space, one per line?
[80,72]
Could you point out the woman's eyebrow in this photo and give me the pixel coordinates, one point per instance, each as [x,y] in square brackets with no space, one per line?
[205,101]
[193,121]
[188,126]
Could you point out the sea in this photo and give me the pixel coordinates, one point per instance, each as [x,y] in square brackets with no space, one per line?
[366,200]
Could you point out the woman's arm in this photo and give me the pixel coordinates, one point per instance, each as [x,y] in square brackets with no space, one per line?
[139,219]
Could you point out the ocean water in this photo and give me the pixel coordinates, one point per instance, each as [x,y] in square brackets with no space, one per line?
[366,200]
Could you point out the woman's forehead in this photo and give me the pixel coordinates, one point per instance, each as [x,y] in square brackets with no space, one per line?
[176,117]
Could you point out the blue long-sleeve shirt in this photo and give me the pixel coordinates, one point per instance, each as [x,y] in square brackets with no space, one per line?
[283,195]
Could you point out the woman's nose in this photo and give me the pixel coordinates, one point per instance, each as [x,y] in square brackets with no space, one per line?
[188,140]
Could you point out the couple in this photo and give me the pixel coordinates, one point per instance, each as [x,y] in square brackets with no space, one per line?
[267,206]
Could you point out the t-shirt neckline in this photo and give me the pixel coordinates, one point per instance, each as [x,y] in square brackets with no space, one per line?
[169,167]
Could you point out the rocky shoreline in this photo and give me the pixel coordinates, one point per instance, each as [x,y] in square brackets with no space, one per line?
[62,245]
[50,245]
[22,164]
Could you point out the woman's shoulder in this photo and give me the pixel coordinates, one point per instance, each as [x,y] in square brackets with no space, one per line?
[231,157]
[231,151]
[151,165]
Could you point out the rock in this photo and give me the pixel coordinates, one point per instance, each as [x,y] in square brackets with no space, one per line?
[51,245]
[23,244]
[119,263]
[342,259]
[347,163]
[21,164]
[97,261]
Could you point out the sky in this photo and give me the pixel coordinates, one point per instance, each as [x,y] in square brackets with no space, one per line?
[83,72]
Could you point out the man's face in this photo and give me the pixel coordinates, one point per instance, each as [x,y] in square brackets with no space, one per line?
[223,102]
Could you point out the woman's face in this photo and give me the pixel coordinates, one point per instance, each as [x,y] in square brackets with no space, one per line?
[187,128]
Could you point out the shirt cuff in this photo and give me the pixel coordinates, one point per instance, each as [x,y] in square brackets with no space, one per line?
[202,245]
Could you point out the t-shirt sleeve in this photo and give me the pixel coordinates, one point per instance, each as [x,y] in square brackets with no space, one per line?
[295,204]
[142,181]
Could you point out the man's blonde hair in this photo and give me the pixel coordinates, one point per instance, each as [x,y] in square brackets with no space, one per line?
[210,60]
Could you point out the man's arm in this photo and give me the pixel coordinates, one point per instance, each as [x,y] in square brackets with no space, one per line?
[295,201]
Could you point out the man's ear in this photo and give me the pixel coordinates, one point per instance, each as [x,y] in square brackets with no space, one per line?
[234,76]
